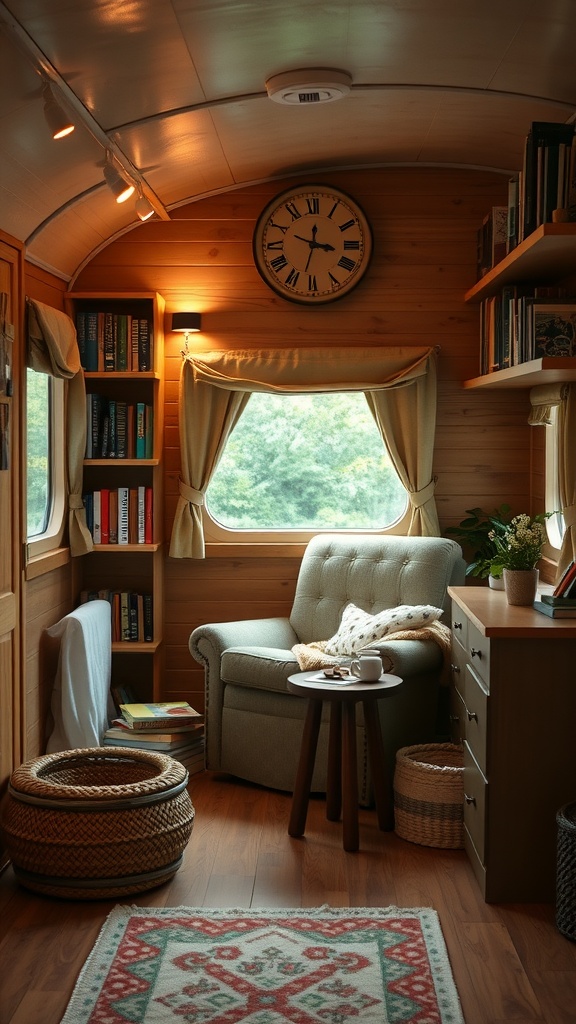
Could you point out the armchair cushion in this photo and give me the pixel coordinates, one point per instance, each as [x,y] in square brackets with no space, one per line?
[360,629]
[261,668]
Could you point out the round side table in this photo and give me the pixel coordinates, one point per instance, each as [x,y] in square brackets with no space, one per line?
[342,778]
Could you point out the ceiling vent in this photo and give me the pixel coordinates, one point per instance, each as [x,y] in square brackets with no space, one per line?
[309,86]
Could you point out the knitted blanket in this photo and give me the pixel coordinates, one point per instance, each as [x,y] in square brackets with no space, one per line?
[311,656]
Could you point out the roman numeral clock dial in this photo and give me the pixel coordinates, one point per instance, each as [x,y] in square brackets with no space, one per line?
[312,244]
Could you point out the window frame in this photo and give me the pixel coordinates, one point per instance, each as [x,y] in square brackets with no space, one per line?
[51,538]
[555,523]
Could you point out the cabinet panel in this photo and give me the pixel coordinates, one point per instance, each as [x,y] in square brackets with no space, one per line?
[475,789]
[475,716]
[479,653]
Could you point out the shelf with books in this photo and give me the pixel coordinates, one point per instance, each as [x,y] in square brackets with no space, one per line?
[123,476]
[546,256]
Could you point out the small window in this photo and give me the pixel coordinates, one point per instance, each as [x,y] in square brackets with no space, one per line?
[555,524]
[45,482]
[299,464]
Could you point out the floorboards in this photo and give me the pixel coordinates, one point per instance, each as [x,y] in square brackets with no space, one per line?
[511,965]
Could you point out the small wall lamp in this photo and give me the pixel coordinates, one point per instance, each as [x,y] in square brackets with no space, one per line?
[186,323]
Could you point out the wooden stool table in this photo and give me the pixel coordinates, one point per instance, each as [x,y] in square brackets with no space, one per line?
[342,778]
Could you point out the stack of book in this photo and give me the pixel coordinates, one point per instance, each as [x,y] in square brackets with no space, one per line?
[173,728]
[561,604]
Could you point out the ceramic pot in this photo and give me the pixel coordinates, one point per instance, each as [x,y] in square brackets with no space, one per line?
[521,585]
[496,582]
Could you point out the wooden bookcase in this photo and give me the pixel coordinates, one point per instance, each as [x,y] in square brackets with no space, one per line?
[136,567]
[548,255]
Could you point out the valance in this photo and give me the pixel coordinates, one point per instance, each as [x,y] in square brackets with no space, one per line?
[543,399]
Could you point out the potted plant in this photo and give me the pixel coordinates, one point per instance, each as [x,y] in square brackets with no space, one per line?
[477,534]
[518,551]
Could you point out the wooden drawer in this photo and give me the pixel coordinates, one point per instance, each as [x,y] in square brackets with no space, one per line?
[459,626]
[478,647]
[475,791]
[457,716]
[476,716]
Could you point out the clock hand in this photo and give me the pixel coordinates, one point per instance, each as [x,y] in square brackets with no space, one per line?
[310,241]
[325,246]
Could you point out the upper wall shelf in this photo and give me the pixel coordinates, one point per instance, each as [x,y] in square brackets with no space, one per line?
[557,370]
[545,257]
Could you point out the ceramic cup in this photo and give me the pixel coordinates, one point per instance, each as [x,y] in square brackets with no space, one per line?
[367,666]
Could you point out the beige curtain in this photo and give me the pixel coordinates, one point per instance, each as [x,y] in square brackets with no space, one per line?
[543,399]
[406,418]
[53,349]
[567,476]
[215,387]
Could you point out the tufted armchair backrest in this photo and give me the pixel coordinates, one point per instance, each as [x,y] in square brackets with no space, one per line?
[373,573]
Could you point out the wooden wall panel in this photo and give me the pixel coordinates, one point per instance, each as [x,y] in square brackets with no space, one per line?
[425,223]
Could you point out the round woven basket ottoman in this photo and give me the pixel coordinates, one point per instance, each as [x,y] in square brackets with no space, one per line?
[97,823]
[566,871]
[429,795]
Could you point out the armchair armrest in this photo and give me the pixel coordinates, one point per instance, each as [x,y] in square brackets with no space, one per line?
[208,642]
[410,657]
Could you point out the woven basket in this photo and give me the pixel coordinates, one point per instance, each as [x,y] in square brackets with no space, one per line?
[429,795]
[566,871]
[97,823]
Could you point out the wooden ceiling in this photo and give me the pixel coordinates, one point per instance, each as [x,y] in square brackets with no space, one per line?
[176,91]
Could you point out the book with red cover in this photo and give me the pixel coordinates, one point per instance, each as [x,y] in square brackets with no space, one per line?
[105,515]
[566,580]
[148,516]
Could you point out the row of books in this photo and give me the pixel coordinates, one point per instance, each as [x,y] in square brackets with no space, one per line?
[115,342]
[132,614]
[120,515]
[118,429]
[526,322]
[173,728]
[542,191]
[561,603]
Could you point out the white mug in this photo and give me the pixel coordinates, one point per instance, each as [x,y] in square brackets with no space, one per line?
[367,667]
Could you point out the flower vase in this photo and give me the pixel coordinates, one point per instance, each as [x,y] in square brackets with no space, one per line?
[521,585]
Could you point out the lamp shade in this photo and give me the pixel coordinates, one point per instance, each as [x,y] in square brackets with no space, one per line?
[186,322]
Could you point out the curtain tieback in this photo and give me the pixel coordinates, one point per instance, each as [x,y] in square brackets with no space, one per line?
[569,514]
[419,498]
[75,502]
[190,493]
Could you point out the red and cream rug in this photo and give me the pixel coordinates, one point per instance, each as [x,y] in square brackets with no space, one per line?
[179,965]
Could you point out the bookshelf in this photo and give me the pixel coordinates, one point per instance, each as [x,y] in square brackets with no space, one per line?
[545,257]
[133,563]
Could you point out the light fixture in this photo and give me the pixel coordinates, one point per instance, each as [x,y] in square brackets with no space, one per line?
[143,207]
[117,184]
[57,120]
[309,86]
[186,323]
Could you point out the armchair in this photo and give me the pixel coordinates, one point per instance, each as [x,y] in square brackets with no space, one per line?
[254,725]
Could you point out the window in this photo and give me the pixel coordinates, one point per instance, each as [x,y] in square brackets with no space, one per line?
[555,524]
[45,439]
[305,462]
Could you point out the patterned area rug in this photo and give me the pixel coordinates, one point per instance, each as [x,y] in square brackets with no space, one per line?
[179,965]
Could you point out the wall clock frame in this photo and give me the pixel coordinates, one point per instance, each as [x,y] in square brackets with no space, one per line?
[312,244]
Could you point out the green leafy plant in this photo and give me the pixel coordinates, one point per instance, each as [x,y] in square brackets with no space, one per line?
[478,536]
[520,545]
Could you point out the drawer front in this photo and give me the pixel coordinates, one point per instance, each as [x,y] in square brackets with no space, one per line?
[475,716]
[457,716]
[478,647]
[459,626]
[475,794]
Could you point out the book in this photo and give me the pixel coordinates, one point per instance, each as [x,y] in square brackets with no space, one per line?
[555,611]
[123,499]
[113,516]
[141,514]
[566,580]
[558,602]
[104,515]
[145,716]
[185,740]
[140,430]
[148,618]
[133,515]
[148,516]
[97,521]
[192,730]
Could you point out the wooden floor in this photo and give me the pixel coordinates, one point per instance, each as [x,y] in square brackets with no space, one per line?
[510,962]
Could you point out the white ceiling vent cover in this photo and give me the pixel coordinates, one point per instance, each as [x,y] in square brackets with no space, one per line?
[309,86]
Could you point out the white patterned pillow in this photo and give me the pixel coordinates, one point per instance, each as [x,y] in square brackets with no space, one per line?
[358,629]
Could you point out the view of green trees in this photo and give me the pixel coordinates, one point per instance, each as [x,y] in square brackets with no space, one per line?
[38,448]
[306,462]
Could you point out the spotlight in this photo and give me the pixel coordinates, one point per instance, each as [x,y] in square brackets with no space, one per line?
[57,120]
[143,208]
[118,185]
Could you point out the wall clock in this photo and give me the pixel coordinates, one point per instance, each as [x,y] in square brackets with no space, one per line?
[312,244]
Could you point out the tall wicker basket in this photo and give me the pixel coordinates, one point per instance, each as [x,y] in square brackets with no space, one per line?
[98,822]
[429,795]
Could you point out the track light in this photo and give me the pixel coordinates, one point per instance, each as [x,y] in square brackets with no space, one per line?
[118,185]
[143,208]
[57,120]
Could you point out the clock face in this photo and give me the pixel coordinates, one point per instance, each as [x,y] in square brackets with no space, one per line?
[312,244]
